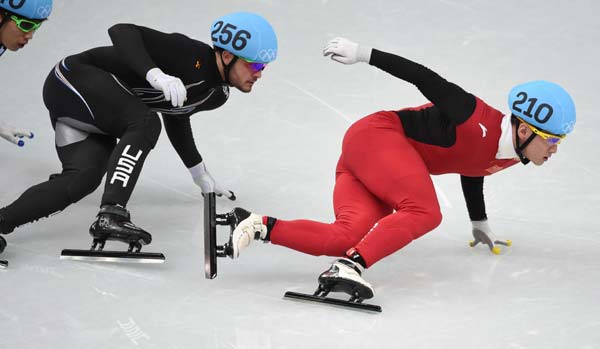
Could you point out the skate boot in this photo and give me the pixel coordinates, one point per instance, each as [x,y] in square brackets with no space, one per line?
[247,226]
[3,263]
[113,223]
[4,227]
[2,244]
[344,275]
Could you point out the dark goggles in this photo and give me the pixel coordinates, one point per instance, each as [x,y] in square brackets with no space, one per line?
[256,67]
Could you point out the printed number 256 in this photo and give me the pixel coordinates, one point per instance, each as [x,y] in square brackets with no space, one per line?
[228,33]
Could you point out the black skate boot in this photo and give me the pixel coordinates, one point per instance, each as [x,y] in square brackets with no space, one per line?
[5,228]
[3,263]
[113,223]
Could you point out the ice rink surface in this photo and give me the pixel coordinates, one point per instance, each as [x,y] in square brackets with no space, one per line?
[277,149]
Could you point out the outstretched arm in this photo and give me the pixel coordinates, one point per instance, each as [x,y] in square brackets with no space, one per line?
[179,131]
[130,42]
[450,98]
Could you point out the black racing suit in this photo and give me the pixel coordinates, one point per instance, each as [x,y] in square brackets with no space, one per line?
[105,115]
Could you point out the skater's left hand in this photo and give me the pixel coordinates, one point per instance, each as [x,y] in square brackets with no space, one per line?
[347,52]
[207,183]
[482,233]
[14,135]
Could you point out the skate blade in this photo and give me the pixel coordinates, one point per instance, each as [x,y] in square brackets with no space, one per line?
[3,264]
[112,256]
[332,301]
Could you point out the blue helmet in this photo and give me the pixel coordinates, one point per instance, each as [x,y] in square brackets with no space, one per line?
[246,35]
[32,9]
[544,105]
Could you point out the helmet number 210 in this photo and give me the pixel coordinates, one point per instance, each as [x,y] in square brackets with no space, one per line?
[542,113]
[228,33]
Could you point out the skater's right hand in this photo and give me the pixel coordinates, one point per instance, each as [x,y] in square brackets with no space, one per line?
[347,52]
[482,233]
[14,135]
[207,183]
[172,87]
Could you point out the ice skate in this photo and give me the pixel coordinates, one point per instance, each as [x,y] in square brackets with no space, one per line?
[113,223]
[481,237]
[3,263]
[5,228]
[247,226]
[344,276]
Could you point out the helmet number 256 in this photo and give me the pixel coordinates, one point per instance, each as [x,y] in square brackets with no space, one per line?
[544,109]
[228,33]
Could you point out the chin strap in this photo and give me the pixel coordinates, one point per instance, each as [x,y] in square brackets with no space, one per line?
[227,67]
[520,147]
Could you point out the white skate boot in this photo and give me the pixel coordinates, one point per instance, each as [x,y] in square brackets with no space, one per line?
[248,227]
[344,275]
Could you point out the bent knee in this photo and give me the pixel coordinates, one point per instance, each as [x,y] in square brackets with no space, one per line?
[341,240]
[152,127]
[435,218]
[84,182]
[148,128]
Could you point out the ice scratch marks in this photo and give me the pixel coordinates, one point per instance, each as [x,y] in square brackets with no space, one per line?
[318,99]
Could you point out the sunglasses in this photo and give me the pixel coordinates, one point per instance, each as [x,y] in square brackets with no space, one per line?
[550,138]
[256,67]
[25,25]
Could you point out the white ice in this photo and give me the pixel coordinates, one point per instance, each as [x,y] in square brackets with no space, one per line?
[277,148]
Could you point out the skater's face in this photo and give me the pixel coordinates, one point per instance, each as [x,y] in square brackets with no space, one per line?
[243,74]
[540,149]
[11,36]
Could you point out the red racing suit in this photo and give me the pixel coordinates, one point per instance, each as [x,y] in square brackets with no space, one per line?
[384,197]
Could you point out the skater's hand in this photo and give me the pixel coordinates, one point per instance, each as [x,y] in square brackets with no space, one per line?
[347,52]
[14,135]
[207,183]
[172,87]
[482,233]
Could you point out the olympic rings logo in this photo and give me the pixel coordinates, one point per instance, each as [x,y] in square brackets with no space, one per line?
[44,11]
[267,55]
[568,127]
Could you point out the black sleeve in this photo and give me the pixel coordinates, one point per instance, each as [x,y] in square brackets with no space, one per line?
[450,98]
[128,41]
[473,191]
[179,131]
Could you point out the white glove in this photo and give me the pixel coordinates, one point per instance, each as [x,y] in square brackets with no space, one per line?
[14,135]
[483,233]
[172,87]
[347,52]
[207,183]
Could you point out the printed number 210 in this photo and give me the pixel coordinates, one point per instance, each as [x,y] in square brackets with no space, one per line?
[542,113]
[228,33]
